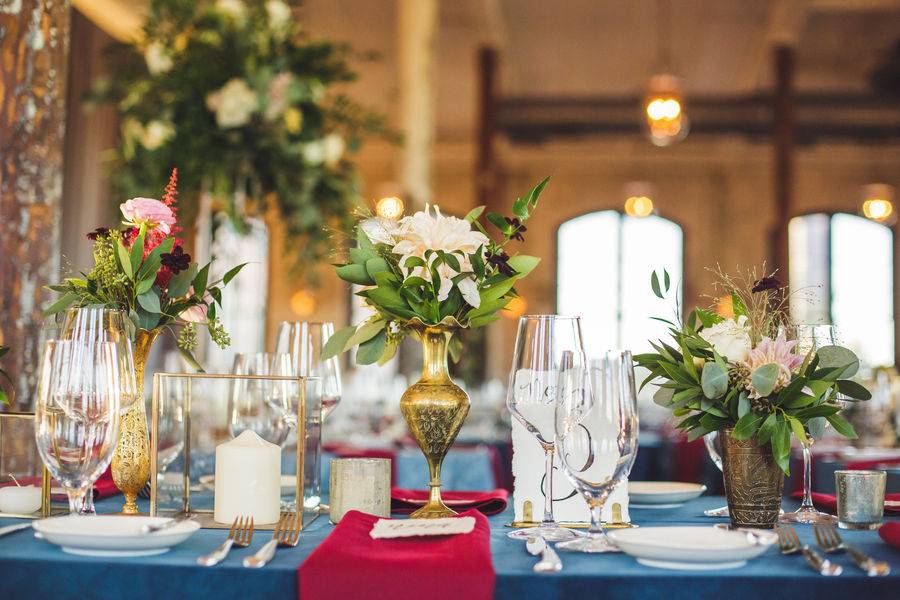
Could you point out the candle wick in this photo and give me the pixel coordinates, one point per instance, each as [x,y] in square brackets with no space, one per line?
[13,477]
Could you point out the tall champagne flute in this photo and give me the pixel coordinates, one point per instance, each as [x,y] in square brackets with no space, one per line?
[810,337]
[596,434]
[542,343]
[305,342]
[77,413]
[94,325]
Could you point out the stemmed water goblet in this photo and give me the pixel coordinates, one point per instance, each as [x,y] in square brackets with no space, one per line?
[77,413]
[810,337]
[596,434]
[304,342]
[542,343]
[712,443]
[262,405]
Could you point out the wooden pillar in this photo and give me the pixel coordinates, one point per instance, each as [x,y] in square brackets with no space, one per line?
[34,47]
[783,141]
[416,28]
[487,178]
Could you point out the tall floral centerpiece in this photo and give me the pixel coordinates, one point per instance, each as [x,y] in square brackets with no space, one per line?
[143,270]
[251,108]
[430,275]
[742,377]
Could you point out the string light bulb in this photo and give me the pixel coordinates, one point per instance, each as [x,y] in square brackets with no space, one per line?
[303,303]
[515,308]
[878,202]
[389,207]
[639,199]
[665,121]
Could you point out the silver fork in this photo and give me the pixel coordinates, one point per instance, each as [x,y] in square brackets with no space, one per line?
[789,543]
[240,535]
[830,541]
[286,535]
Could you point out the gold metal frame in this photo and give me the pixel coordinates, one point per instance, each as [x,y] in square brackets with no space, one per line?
[46,506]
[205,516]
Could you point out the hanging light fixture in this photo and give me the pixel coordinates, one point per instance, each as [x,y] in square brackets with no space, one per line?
[639,199]
[878,202]
[664,117]
[389,207]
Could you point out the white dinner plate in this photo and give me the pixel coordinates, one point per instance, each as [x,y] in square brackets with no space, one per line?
[642,494]
[688,548]
[112,536]
[287,483]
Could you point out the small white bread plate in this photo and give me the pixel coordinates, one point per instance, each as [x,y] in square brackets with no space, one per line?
[688,548]
[112,536]
[669,493]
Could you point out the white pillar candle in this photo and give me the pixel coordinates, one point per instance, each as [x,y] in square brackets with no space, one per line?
[22,500]
[248,479]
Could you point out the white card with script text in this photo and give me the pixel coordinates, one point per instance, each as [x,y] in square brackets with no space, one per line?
[399,528]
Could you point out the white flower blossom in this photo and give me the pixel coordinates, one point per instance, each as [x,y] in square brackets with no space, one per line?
[333,149]
[156,133]
[279,15]
[423,231]
[730,338]
[314,152]
[233,104]
[232,8]
[158,59]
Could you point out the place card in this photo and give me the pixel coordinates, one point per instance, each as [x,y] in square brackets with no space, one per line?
[401,528]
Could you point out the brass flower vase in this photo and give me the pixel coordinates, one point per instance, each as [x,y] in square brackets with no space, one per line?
[753,482]
[434,408]
[131,460]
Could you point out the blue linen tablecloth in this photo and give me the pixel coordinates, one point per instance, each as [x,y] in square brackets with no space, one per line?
[31,568]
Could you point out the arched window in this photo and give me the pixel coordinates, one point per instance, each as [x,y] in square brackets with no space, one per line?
[604,262]
[842,272]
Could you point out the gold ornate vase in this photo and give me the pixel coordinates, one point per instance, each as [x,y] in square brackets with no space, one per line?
[434,408]
[753,482]
[131,461]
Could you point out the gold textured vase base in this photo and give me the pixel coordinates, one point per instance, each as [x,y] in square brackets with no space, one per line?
[130,507]
[753,482]
[433,510]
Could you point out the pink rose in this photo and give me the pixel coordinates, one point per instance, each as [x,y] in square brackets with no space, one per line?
[197,313]
[150,212]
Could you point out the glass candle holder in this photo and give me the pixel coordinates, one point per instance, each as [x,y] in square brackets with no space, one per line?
[362,484]
[860,498]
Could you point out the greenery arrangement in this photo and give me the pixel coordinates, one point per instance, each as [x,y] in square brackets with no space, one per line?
[143,270]
[238,96]
[429,269]
[743,373]
[4,375]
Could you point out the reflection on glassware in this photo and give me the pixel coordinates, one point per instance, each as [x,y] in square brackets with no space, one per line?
[596,433]
[542,342]
[95,325]
[77,413]
[261,405]
[304,342]
[712,443]
[810,337]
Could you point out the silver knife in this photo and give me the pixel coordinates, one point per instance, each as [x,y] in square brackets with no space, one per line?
[13,528]
[153,528]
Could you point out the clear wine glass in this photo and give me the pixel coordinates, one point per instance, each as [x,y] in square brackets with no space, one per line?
[810,337]
[96,325]
[711,441]
[259,404]
[77,413]
[596,434]
[305,342]
[542,342]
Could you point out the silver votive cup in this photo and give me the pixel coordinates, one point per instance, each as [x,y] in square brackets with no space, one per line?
[362,484]
[860,498]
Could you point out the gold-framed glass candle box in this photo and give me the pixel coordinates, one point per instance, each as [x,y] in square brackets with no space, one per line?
[224,445]
[25,484]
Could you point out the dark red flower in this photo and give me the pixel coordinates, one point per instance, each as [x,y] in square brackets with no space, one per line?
[177,260]
[517,228]
[501,261]
[98,233]
[766,283]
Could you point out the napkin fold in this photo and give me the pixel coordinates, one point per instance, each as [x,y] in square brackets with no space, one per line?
[890,533]
[405,501]
[350,564]
[829,502]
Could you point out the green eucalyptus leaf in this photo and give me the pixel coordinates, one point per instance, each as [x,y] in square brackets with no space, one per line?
[371,350]
[746,426]
[144,285]
[149,301]
[663,396]
[743,406]
[473,214]
[816,427]
[764,379]
[764,434]
[377,265]
[337,343]
[359,256]
[354,273]
[842,426]
[714,380]
[853,389]
[62,304]
[181,283]
[831,357]
[365,332]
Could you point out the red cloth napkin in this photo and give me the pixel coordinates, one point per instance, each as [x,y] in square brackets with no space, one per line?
[890,533]
[405,501]
[829,502]
[350,564]
[866,465]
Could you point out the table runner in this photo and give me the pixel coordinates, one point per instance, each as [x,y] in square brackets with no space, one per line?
[350,564]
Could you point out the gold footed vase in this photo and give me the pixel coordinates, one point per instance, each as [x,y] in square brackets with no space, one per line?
[434,408]
[131,460]
[753,482]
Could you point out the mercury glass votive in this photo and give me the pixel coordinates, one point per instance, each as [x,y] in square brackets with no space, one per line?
[362,484]
[860,498]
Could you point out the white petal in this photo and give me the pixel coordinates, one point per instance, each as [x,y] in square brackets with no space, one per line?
[444,291]
[470,292]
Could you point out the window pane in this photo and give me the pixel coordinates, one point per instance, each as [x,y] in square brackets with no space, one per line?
[808,243]
[647,243]
[862,286]
[587,276]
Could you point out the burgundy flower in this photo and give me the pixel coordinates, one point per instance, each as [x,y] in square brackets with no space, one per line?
[98,233]
[766,283]
[517,228]
[501,261]
[177,260]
